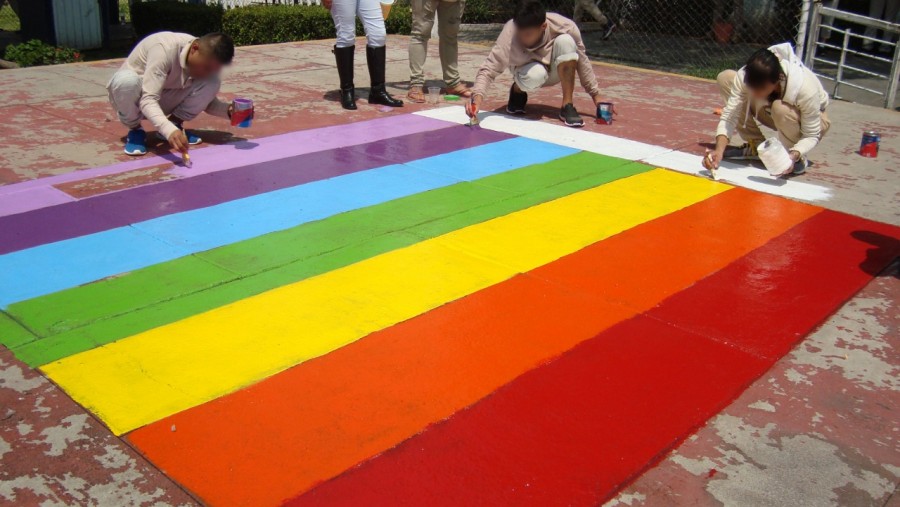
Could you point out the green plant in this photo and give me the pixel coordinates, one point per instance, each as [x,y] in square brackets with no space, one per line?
[175,16]
[271,24]
[488,11]
[35,52]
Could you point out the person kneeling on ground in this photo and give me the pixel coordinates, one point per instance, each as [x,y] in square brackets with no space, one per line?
[540,49]
[776,90]
[170,78]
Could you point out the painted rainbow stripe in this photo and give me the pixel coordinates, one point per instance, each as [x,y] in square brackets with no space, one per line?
[379,323]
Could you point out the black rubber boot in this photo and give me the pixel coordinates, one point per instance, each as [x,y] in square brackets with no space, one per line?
[344,59]
[376,58]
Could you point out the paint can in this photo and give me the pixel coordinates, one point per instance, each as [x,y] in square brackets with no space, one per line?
[869,145]
[775,156]
[605,112]
[242,116]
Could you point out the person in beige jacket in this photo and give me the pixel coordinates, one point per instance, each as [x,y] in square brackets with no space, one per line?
[170,78]
[773,89]
[540,49]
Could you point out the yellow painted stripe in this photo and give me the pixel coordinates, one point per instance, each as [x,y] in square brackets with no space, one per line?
[141,379]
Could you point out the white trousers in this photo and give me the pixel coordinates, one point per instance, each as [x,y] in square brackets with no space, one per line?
[344,13]
[534,75]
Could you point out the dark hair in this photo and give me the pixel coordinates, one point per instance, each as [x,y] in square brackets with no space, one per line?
[219,45]
[530,14]
[763,68]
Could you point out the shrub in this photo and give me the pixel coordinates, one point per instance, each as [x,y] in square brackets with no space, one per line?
[175,16]
[268,24]
[492,11]
[35,52]
[488,11]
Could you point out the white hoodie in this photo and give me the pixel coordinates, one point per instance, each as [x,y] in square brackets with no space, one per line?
[803,90]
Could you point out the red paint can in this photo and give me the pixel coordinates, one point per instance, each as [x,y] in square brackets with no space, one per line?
[869,145]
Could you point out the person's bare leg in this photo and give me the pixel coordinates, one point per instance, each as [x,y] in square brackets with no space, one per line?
[567,71]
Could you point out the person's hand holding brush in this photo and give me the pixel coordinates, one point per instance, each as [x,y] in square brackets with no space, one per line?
[473,106]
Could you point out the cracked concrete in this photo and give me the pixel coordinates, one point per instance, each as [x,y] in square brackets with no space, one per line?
[820,429]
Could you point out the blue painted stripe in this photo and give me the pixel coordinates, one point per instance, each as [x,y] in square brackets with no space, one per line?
[49,268]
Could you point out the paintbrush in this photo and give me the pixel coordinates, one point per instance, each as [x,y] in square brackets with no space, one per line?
[712,170]
[185,158]
[473,120]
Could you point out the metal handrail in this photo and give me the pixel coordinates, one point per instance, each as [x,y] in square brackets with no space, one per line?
[813,43]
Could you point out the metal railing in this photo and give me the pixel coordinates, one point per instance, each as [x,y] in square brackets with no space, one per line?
[841,66]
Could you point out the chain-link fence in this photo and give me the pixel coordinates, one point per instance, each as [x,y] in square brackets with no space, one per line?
[697,37]
[9,19]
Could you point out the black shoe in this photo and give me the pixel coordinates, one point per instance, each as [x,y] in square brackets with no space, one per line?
[610,28]
[376,58]
[570,116]
[517,101]
[344,59]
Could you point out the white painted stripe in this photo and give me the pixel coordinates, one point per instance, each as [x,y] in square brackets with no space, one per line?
[741,175]
[556,134]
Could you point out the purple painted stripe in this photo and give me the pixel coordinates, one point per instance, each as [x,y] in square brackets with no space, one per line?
[117,209]
[228,156]
[26,199]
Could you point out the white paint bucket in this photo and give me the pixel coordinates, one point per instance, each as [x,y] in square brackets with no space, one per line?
[774,156]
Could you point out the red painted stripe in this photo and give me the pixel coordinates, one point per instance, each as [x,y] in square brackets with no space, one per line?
[314,421]
[769,300]
[573,431]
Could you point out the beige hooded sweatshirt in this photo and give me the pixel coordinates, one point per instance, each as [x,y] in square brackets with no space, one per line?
[508,54]
[803,90]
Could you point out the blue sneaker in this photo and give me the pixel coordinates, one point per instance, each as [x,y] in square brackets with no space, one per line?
[193,139]
[136,142]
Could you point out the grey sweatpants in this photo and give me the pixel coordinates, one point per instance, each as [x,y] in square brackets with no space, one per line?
[125,93]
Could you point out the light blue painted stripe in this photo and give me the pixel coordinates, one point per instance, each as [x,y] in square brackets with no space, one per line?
[49,268]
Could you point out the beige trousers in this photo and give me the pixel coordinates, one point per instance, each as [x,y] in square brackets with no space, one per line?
[778,116]
[591,7]
[125,93]
[449,15]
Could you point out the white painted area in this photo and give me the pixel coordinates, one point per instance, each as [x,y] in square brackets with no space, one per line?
[740,175]
[556,134]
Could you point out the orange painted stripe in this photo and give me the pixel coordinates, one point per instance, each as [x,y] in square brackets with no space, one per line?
[281,437]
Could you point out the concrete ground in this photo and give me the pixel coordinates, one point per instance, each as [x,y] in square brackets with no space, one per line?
[819,429]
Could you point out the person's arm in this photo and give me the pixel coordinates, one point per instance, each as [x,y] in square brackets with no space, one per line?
[728,121]
[495,64]
[810,126]
[218,107]
[586,74]
[153,81]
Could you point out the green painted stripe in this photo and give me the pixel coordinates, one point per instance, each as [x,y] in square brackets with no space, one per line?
[12,334]
[233,272]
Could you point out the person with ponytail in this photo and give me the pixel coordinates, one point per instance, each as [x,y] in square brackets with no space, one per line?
[773,89]
[344,14]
